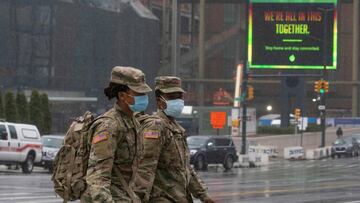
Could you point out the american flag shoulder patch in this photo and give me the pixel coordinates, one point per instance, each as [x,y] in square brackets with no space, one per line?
[100,137]
[151,134]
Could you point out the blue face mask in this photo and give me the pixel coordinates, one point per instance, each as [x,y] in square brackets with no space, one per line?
[174,107]
[141,103]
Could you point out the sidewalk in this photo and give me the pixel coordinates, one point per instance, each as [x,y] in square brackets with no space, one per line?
[310,140]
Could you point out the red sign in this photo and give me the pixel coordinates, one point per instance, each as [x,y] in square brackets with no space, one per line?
[218,119]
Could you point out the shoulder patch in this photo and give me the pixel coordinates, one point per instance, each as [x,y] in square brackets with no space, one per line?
[101,137]
[151,134]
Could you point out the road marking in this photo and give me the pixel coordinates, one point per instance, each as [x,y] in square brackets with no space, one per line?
[26,188]
[27,197]
[43,201]
[14,194]
[227,194]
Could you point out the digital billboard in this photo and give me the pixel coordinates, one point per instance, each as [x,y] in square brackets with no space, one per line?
[290,34]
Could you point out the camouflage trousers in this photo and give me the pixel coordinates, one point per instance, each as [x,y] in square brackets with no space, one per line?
[117,196]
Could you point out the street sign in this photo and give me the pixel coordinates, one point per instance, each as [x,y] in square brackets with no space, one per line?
[218,119]
[321,107]
[291,34]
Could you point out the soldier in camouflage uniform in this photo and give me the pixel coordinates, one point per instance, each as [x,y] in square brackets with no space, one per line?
[165,174]
[115,145]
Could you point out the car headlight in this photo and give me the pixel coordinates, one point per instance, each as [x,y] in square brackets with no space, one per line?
[193,151]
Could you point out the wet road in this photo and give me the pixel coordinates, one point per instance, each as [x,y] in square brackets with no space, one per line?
[330,180]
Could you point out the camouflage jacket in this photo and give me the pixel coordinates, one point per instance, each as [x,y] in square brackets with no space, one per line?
[164,173]
[114,152]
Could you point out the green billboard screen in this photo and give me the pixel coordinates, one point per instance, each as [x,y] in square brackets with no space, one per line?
[290,34]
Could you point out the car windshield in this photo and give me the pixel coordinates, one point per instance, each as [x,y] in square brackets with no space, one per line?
[356,136]
[339,141]
[196,141]
[52,142]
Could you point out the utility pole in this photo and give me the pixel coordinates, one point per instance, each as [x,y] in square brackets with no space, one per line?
[322,95]
[355,60]
[201,51]
[245,80]
[174,38]
[165,37]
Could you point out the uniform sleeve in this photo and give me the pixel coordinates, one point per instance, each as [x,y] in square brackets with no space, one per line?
[197,187]
[153,141]
[103,146]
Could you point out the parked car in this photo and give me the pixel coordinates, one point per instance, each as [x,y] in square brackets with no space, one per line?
[357,137]
[347,146]
[51,146]
[20,144]
[206,150]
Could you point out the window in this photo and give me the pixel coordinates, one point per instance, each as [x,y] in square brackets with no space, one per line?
[3,133]
[222,142]
[29,133]
[13,133]
[185,22]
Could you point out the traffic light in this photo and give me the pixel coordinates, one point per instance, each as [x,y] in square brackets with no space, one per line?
[297,113]
[326,86]
[250,93]
[322,87]
[317,86]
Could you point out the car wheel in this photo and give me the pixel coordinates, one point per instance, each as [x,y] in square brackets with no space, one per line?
[229,162]
[200,163]
[28,165]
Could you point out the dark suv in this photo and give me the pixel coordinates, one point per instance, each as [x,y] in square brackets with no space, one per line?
[347,146]
[206,150]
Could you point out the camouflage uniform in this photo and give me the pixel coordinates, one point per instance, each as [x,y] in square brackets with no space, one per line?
[165,174]
[115,147]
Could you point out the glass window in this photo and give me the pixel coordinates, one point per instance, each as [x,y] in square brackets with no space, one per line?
[196,141]
[3,133]
[28,133]
[13,133]
[52,142]
[222,142]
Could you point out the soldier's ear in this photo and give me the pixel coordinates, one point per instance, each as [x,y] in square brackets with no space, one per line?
[123,96]
[120,96]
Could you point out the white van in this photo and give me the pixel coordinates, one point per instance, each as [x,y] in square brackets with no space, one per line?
[20,144]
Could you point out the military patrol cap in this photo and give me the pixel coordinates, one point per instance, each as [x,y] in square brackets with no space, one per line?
[132,77]
[168,84]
